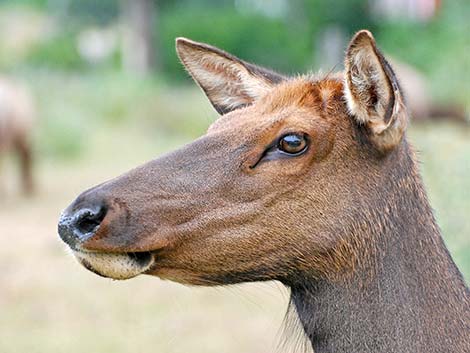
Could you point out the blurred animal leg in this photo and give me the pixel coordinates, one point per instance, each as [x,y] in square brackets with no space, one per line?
[2,178]
[24,149]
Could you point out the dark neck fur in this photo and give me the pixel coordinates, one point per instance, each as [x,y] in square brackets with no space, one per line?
[407,297]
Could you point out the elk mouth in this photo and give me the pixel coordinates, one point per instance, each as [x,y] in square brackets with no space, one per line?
[115,265]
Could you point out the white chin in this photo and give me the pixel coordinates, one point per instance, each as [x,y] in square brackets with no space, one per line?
[115,265]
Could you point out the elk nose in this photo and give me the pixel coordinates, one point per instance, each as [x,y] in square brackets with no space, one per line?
[80,225]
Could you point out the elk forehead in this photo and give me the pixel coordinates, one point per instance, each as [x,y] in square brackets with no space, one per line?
[318,96]
[308,92]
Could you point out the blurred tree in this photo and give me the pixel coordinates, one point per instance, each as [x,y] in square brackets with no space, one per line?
[138,52]
[330,26]
[86,12]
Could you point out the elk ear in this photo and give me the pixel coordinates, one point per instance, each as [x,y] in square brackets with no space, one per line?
[228,82]
[373,94]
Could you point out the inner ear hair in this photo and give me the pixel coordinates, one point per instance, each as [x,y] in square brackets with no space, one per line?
[229,83]
[372,92]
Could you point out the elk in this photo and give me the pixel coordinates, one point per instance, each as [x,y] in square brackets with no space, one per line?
[16,121]
[420,103]
[309,181]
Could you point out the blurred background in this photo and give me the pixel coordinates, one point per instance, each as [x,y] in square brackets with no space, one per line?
[89,89]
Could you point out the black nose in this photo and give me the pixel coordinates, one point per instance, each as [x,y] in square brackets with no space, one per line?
[81,224]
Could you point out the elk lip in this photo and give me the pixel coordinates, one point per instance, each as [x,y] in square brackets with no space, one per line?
[115,265]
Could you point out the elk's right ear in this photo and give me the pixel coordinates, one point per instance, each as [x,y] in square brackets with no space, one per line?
[373,94]
[228,82]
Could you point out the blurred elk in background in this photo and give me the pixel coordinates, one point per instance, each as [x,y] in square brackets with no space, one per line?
[420,102]
[16,125]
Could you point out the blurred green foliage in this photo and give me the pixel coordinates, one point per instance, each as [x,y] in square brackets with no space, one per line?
[260,39]
[440,48]
[285,42]
[73,108]
[350,15]
[58,52]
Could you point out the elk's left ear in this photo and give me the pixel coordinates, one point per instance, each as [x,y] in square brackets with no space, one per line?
[229,83]
[373,94]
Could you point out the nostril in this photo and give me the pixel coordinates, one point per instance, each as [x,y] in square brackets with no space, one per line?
[88,220]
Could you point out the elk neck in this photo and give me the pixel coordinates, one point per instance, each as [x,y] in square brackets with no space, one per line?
[406,295]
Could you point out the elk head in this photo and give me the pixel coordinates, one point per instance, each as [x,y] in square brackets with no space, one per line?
[269,191]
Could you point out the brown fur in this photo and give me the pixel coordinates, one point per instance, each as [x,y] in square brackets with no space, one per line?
[346,225]
[16,120]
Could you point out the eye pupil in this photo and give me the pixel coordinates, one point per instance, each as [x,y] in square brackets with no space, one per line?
[293,143]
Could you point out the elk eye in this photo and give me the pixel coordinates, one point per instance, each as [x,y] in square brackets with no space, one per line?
[293,144]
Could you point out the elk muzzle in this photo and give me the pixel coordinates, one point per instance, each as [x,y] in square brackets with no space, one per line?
[81,222]
[78,226]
